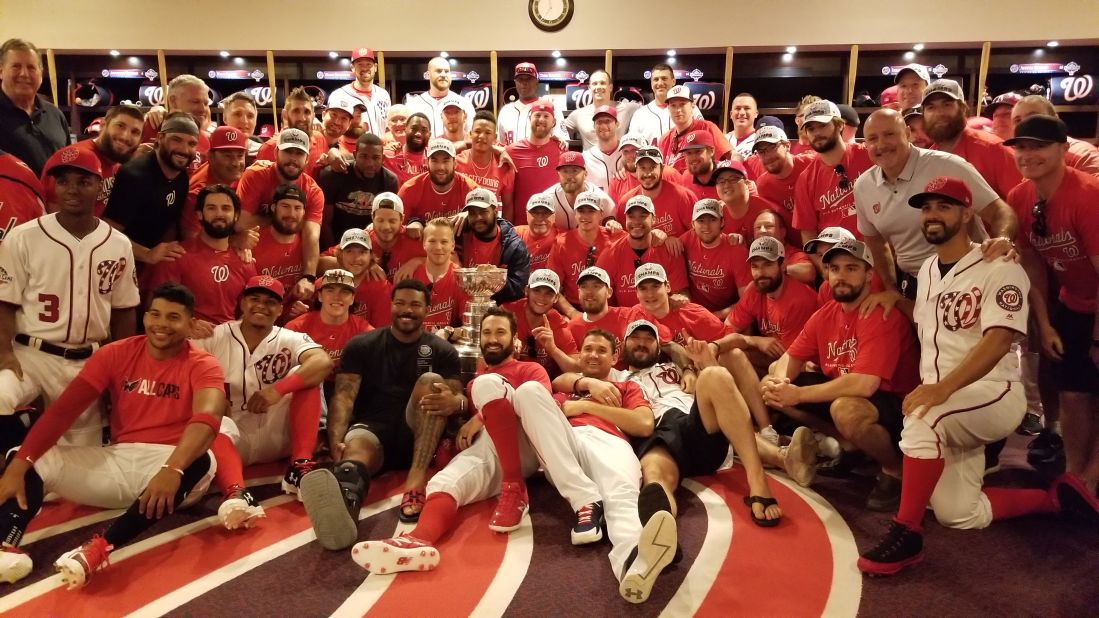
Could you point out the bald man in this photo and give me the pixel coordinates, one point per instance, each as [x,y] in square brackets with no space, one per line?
[438,95]
[1081,155]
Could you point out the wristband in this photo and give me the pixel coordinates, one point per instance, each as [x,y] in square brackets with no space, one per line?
[289,384]
[309,278]
[576,383]
[717,347]
[173,469]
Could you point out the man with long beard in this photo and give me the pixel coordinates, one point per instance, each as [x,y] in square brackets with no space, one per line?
[224,166]
[278,253]
[408,159]
[299,113]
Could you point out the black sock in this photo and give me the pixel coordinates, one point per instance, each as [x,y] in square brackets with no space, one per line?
[12,431]
[132,523]
[14,520]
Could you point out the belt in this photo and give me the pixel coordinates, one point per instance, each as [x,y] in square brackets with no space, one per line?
[56,350]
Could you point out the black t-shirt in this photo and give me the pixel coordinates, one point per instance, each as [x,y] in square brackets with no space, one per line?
[32,139]
[349,196]
[389,369]
[144,202]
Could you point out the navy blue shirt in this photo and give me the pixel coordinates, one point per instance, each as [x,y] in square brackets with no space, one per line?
[32,138]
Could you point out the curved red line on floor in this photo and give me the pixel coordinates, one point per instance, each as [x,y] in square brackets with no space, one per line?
[59,512]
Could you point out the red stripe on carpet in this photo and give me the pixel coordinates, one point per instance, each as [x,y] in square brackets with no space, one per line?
[59,512]
[757,555]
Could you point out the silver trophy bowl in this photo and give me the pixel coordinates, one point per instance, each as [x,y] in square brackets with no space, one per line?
[479,283]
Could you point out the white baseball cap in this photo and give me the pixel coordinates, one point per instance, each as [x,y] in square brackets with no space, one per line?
[636,324]
[948,87]
[633,139]
[355,236]
[919,69]
[640,201]
[589,199]
[479,198]
[594,271]
[440,144]
[821,111]
[451,101]
[850,247]
[545,278]
[768,134]
[830,235]
[679,92]
[767,248]
[708,206]
[387,200]
[649,270]
[540,200]
[293,138]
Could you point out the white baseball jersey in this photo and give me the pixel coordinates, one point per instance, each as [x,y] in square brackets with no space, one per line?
[743,147]
[582,121]
[513,123]
[660,383]
[953,312]
[601,166]
[653,120]
[65,287]
[431,107]
[566,214]
[377,105]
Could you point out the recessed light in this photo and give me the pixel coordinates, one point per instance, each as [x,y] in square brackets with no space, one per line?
[333,55]
[792,49]
[453,62]
[346,62]
[556,53]
[115,53]
[909,55]
[223,54]
[787,57]
[1052,44]
[238,60]
[671,53]
[1039,52]
[918,47]
[560,62]
[443,54]
[670,60]
[134,60]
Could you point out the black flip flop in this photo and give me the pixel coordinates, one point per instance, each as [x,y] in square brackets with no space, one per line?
[762,522]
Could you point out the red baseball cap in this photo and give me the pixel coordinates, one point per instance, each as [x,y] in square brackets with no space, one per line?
[542,105]
[228,138]
[889,96]
[363,52]
[697,140]
[71,156]
[570,157]
[526,68]
[953,189]
[734,165]
[267,283]
[605,110]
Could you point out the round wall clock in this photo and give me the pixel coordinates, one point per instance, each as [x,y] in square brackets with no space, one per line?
[551,15]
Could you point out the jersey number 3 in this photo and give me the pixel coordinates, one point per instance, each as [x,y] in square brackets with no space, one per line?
[51,308]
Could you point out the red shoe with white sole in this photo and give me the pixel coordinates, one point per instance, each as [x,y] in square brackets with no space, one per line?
[402,553]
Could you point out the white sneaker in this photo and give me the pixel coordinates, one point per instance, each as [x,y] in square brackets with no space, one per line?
[827,446]
[655,550]
[769,434]
[800,457]
[14,564]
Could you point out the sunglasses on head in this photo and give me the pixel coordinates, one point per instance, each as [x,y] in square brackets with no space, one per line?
[1039,214]
[648,152]
[589,259]
[845,182]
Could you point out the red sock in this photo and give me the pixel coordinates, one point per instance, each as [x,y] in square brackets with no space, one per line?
[438,517]
[502,426]
[230,469]
[305,419]
[917,485]
[1011,502]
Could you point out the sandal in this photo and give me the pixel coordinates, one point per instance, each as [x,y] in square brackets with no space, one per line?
[762,522]
[412,498]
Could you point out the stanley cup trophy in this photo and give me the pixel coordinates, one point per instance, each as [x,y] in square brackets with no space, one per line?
[479,284]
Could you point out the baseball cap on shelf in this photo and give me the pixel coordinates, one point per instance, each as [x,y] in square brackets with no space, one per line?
[919,69]
[768,248]
[948,87]
[889,96]
[915,110]
[821,111]
[640,201]
[649,270]
[770,121]
[440,144]
[363,52]
[708,206]
[953,189]
[770,135]
[1040,129]
[355,236]
[679,92]
[287,191]
[588,199]
[540,200]
[228,138]
[293,138]
[387,200]
[545,278]
[1008,98]
[633,139]
[337,276]
[265,283]
[480,198]
[526,68]
[594,271]
[78,158]
[697,140]
[605,110]
[830,235]
[849,115]
[452,101]
[541,105]
[636,324]
[570,158]
[853,248]
[651,153]
[730,165]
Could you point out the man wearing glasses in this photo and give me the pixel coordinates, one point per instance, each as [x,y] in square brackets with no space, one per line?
[543,332]
[1060,232]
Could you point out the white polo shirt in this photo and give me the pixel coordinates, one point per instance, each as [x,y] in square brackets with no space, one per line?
[882,208]
[601,166]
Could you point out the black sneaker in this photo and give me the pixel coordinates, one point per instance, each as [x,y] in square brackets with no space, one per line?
[1046,449]
[841,466]
[652,500]
[295,473]
[1031,425]
[886,495]
[589,524]
[333,506]
[902,547]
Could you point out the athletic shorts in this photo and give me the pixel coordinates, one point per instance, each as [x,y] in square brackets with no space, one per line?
[1075,372]
[394,438]
[887,404]
[694,451]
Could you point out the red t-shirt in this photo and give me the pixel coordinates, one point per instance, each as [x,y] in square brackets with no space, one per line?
[781,318]
[632,398]
[257,187]
[537,171]
[671,142]
[404,249]
[780,191]
[499,180]
[448,300]
[819,202]
[992,159]
[620,261]
[152,400]
[674,207]
[278,260]
[22,194]
[1072,223]
[743,225]
[372,302]
[615,322]
[687,320]
[188,218]
[841,342]
[715,273]
[621,186]
[110,167]
[216,278]
[318,146]
[422,203]
[824,292]
[700,191]
[331,337]
[539,248]
[570,256]
[405,165]
[561,335]
[476,252]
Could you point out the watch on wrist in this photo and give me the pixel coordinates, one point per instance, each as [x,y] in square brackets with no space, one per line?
[309,278]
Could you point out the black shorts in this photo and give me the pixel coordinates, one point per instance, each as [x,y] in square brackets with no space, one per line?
[694,451]
[1075,372]
[887,404]
[395,438]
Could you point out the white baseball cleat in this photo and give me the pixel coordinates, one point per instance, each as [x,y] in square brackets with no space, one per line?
[14,564]
[240,510]
[655,551]
[402,553]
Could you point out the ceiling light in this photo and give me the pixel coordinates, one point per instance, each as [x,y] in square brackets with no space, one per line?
[909,55]
[115,53]
[670,60]
[134,60]
[787,57]
[443,54]
[561,62]
[792,50]
[671,53]
[555,53]
[453,62]
[333,55]
[238,60]
[223,54]
[345,62]
[918,47]
[1052,44]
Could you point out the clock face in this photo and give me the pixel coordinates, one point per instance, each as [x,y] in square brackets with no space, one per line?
[551,15]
